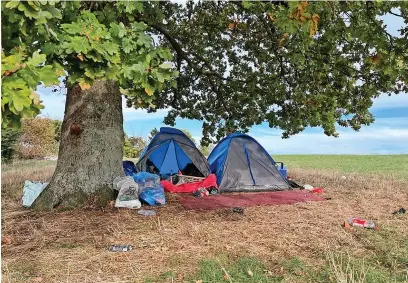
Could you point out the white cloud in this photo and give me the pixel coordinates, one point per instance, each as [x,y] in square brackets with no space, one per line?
[367,141]
[393,101]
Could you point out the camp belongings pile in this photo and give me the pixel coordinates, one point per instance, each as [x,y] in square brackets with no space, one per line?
[239,162]
[140,186]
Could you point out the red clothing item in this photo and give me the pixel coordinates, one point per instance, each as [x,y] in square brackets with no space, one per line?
[210,181]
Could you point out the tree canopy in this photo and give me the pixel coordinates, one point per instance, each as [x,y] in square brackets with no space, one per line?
[230,64]
[86,41]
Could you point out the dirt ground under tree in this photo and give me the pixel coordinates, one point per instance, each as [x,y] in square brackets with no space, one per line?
[70,246]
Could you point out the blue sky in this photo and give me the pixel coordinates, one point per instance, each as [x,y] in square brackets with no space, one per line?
[387,135]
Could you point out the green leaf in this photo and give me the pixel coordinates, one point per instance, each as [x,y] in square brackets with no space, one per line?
[138,26]
[74,28]
[165,53]
[36,60]
[55,12]
[48,76]
[162,77]
[138,68]
[21,100]
[165,66]
[144,40]
[14,82]
[80,44]
[149,89]
[247,4]
[43,17]
[12,4]
[118,30]
[28,11]
[139,6]
[29,77]
[128,45]
[33,5]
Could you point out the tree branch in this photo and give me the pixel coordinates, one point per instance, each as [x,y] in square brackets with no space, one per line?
[181,54]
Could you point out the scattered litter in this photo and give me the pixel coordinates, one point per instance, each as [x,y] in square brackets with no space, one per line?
[239,210]
[400,211]
[128,193]
[51,158]
[31,192]
[318,190]
[308,187]
[202,192]
[147,212]
[343,177]
[120,248]
[358,222]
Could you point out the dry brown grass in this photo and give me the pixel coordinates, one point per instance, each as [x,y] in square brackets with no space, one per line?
[12,183]
[71,246]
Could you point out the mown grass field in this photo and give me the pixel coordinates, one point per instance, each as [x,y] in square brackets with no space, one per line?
[395,166]
[304,242]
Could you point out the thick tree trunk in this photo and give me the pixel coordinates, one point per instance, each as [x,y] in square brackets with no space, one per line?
[91,149]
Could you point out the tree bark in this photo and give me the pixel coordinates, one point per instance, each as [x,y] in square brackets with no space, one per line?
[91,149]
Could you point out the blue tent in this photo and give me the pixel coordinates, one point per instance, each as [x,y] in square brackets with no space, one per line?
[171,151]
[242,164]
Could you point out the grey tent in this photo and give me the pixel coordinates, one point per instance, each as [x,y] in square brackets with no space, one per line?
[241,164]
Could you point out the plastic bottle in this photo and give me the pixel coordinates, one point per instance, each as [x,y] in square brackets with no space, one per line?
[120,248]
[362,223]
[147,212]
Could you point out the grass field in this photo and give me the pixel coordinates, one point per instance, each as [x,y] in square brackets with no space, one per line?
[395,166]
[304,242]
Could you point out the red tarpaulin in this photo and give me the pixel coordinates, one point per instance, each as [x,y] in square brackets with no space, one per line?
[247,199]
[208,182]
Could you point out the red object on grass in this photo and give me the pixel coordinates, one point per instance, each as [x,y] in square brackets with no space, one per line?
[318,190]
[247,199]
[210,181]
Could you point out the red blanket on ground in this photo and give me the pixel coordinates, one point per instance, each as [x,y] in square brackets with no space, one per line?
[210,181]
[247,199]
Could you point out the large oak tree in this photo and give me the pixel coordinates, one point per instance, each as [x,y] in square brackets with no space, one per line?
[230,64]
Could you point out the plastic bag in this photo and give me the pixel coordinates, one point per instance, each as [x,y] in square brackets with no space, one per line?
[150,190]
[128,193]
[31,192]
[153,196]
[129,168]
[146,180]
